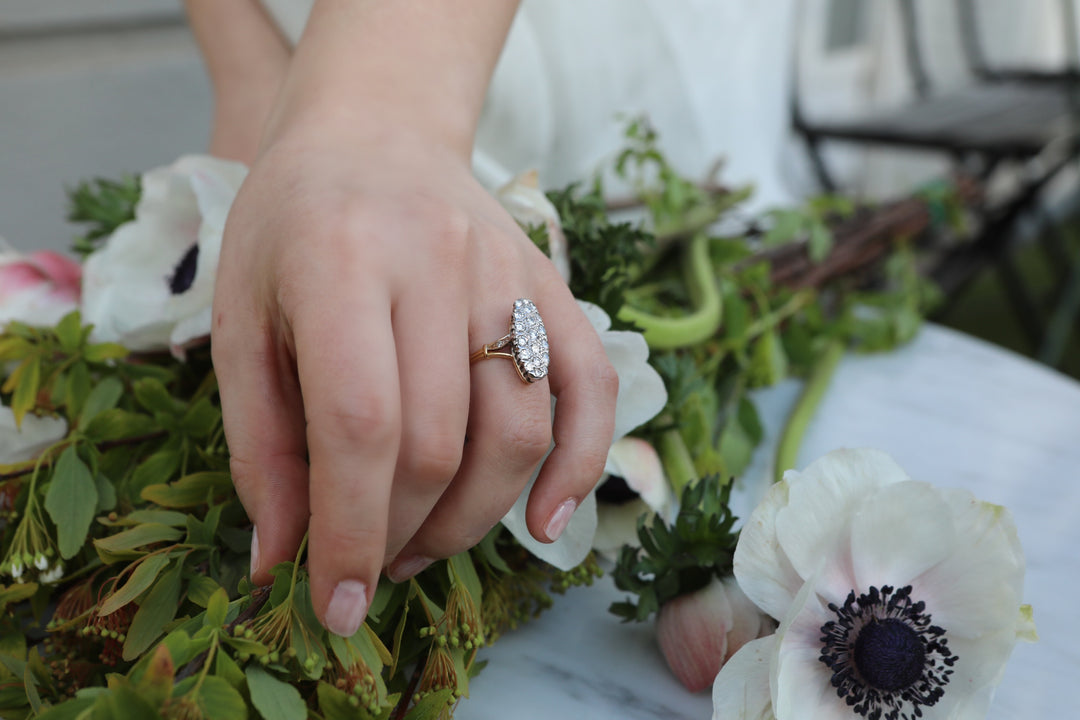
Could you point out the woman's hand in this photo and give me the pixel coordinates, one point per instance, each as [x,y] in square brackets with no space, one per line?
[359,271]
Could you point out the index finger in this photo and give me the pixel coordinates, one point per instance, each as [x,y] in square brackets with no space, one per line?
[349,380]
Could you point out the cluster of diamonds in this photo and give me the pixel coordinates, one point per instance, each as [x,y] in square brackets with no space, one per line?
[530,340]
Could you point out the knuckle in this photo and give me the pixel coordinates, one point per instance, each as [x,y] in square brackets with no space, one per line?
[605,378]
[432,459]
[369,420]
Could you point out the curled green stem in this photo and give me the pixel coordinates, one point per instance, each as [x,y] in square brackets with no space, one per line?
[676,459]
[668,333]
[787,450]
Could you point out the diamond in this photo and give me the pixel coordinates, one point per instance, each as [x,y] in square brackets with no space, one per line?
[529,341]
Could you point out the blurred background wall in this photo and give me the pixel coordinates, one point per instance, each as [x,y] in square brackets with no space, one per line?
[101,87]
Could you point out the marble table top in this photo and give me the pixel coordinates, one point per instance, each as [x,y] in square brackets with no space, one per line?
[951,410]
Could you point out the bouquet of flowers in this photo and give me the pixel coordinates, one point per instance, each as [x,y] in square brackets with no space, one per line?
[851,589]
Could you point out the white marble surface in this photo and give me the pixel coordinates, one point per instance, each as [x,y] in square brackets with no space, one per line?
[951,410]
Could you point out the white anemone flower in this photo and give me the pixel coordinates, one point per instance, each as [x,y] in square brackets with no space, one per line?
[641,396]
[151,286]
[896,599]
[643,490]
[36,435]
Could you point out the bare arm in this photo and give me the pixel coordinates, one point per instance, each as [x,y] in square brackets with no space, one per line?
[246,59]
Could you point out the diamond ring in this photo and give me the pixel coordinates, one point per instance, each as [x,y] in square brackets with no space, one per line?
[527,341]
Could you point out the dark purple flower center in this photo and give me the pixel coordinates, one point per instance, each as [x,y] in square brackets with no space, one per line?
[888,659]
[184,273]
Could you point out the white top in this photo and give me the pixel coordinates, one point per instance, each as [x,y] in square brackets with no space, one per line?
[712,76]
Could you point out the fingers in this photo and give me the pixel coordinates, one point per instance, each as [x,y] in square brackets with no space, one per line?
[347,367]
[431,332]
[263,418]
[585,385]
[509,433]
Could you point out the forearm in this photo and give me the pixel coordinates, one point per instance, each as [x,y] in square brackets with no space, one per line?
[246,59]
[422,66]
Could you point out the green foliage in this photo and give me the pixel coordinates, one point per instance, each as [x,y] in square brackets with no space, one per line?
[126,541]
[679,558]
[102,205]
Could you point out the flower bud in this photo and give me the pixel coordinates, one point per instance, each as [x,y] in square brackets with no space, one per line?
[37,289]
[698,632]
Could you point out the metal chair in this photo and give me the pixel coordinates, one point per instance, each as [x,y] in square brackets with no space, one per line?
[1015,121]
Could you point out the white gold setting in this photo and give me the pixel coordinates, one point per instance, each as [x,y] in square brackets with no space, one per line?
[529,337]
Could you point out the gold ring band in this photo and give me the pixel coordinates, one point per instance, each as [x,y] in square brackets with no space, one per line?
[526,343]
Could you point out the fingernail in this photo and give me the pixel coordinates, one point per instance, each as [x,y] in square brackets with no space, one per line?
[560,519]
[348,606]
[254,550]
[404,568]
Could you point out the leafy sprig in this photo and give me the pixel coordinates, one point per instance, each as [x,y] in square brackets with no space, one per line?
[102,205]
[679,558]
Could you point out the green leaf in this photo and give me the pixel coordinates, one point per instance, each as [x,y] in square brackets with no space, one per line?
[103,352]
[69,332]
[106,493]
[190,490]
[201,419]
[433,706]
[156,611]
[227,669]
[104,396]
[219,700]
[156,683]
[217,609]
[71,502]
[201,589]
[16,593]
[141,578]
[124,545]
[820,243]
[114,424]
[274,699]
[24,398]
[157,469]
[155,397]
[68,710]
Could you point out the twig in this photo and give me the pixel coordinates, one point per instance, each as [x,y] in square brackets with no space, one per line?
[403,704]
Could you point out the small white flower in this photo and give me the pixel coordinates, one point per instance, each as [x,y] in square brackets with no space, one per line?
[527,203]
[893,596]
[37,289]
[27,442]
[151,286]
[41,562]
[641,396]
[53,575]
[16,570]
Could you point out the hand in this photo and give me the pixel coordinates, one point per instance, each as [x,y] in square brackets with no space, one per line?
[358,272]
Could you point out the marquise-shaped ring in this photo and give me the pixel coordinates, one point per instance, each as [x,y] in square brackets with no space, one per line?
[526,343]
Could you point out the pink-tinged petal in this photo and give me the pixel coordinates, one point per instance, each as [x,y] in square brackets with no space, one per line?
[763,570]
[637,462]
[19,276]
[747,621]
[692,632]
[36,435]
[59,268]
[741,689]
[901,531]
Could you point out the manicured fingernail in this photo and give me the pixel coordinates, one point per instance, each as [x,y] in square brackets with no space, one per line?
[348,606]
[560,519]
[254,550]
[404,568]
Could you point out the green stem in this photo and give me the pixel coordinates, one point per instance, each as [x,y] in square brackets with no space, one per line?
[668,333]
[677,462]
[767,322]
[787,450]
